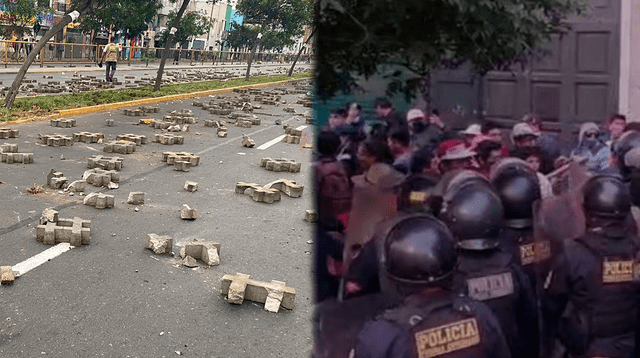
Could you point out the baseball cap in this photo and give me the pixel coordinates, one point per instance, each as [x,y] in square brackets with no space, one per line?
[454,149]
[473,129]
[415,114]
[522,129]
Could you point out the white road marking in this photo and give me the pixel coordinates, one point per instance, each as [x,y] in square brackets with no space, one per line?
[279,139]
[37,260]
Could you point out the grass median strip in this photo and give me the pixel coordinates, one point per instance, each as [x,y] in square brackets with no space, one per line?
[42,106]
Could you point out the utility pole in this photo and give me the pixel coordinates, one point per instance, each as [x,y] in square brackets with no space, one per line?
[213,2]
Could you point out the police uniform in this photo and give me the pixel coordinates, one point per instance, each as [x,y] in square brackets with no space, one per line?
[491,276]
[592,298]
[439,326]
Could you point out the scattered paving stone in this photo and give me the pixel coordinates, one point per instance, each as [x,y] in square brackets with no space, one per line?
[63,123]
[56,140]
[189,262]
[311,216]
[137,139]
[109,122]
[7,275]
[239,287]
[280,165]
[159,244]
[190,186]
[136,198]
[187,213]
[55,180]
[172,157]
[104,162]
[77,186]
[168,139]
[99,200]
[48,215]
[247,142]
[87,137]
[100,177]
[22,158]
[207,251]
[121,147]
[6,133]
[75,231]
[9,148]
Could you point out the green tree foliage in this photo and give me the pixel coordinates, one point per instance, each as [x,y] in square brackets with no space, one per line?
[192,24]
[129,16]
[356,37]
[22,15]
[279,21]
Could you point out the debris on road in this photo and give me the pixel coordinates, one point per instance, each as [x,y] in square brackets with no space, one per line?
[75,231]
[136,198]
[258,193]
[87,137]
[311,216]
[190,186]
[247,142]
[106,163]
[48,215]
[56,140]
[21,158]
[6,133]
[99,177]
[207,251]
[121,147]
[280,165]
[187,213]
[55,180]
[99,201]
[135,138]
[63,123]
[159,244]
[7,275]
[109,122]
[274,294]
[168,139]
[35,189]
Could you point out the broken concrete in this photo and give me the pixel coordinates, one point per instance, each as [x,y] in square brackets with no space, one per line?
[56,140]
[274,294]
[258,193]
[75,231]
[187,213]
[121,147]
[48,215]
[99,177]
[311,216]
[99,200]
[189,262]
[289,187]
[168,139]
[77,186]
[55,180]
[137,139]
[7,275]
[190,186]
[159,244]
[106,163]
[247,142]
[280,165]
[22,158]
[136,198]
[6,133]
[109,122]
[63,123]
[207,251]
[87,137]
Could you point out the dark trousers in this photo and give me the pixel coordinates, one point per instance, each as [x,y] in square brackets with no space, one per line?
[111,69]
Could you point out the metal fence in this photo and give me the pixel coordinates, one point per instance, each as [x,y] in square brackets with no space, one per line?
[15,52]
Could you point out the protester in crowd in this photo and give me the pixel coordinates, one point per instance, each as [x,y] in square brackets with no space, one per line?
[354,113]
[423,132]
[488,153]
[371,152]
[490,131]
[550,146]
[533,157]
[471,135]
[399,143]
[617,124]
[590,150]
[333,188]
[454,155]
[386,112]
[337,118]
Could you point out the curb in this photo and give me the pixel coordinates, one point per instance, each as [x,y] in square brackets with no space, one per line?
[138,102]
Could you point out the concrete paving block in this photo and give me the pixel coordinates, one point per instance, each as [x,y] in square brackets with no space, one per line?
[48,215]
[268,196]
[311,216]
[62,123]
[247,142]
[136,198]
[159,244]
[190,186]
[280,165]
[75,231]
[182,166]
[207,251]
[168,139]
[87,137]
[77,186]
[9,148]
[171,157]
[189,262]
[57,183]
[289,110]
[56,140]
[243,124]
[6,133]
[99,200]
[22,158]
[53,174]
[275,294]
[121,147]
[241,187]
[99,177]
[104,162]
[188,213]
[290,188]
[137,139]
[109,122]
[222,134]
[7,275]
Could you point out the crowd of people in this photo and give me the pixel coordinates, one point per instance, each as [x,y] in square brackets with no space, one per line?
[427,243]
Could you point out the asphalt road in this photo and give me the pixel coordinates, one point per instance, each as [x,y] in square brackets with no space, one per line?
[113,298]
[62,74]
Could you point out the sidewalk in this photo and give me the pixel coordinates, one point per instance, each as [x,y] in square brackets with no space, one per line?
[135,66]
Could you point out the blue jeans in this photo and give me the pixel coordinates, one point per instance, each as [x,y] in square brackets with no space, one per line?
[111,66]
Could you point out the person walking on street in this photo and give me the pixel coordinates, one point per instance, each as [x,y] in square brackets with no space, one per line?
[110,55]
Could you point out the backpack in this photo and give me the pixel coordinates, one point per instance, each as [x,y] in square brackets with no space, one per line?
[333,188]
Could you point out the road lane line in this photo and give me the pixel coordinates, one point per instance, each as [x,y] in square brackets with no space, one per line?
[279,139]
[37,260]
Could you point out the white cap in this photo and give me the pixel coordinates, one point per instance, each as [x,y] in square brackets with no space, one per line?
[414,114]
[473,129]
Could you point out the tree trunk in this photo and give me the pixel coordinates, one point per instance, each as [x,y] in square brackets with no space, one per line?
[167,46]
[300,52]
[13,91]
[253,51]
[480,106]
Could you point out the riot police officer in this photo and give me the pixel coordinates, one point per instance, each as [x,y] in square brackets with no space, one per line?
[487,273]
[593,295]
[518,189]
[419,259]
[627,141]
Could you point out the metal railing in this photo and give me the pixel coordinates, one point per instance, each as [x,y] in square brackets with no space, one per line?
[15,52]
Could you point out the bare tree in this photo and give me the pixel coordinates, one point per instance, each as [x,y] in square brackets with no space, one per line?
[169,43]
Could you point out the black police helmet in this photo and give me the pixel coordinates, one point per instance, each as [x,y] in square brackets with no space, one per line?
[606,196]
[474,215]
[419,249]
[518,188]
[627,141]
